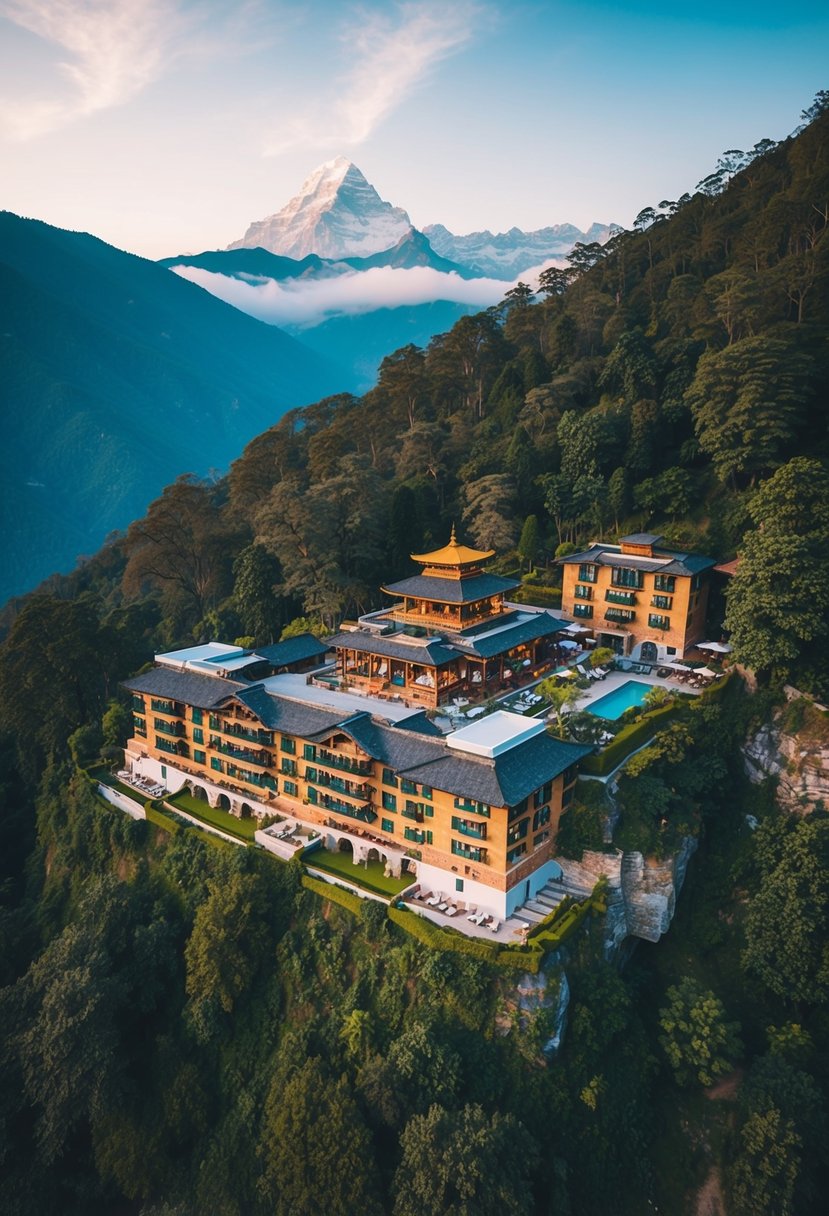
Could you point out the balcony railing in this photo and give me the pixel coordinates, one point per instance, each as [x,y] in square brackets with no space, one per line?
[466,827]
[469,852]
[173,709]
[365,813]
[262,737]
[351,788]
[346,764]
[169,728]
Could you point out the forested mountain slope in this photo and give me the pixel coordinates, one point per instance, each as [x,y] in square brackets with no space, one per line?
[115,376]
[186,1030]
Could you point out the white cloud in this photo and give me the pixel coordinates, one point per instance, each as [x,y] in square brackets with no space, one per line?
[306,303]
[115,48]
[391,58]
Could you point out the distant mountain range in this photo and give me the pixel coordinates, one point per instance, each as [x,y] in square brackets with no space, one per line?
[115,377]
[339,215]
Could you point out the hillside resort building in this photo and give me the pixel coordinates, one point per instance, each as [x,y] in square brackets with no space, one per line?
[637,597]
[348,747]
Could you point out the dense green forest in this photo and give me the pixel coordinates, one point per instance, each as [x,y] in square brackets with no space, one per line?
[188,1030]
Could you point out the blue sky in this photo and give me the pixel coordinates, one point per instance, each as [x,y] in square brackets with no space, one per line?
[166,126]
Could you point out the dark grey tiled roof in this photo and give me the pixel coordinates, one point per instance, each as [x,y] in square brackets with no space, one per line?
[204,692]
[451,590]
[664,561]
[541,625]
[435,653]
[420,725]
[284,714]
[640,538]
[293,650]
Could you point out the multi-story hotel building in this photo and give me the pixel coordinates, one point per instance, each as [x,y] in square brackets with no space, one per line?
[450,631]
[637,597]
[473,813]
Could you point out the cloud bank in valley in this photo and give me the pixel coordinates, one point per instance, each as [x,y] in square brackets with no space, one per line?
[306,303]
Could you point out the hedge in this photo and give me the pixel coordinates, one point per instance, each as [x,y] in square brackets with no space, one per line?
[628,739]
[161,819]
[522,958]
[337,895]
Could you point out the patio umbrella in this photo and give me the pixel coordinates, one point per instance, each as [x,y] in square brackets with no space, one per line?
[574,628]
[569,674]
[566,644]
[715,647]
[706,673]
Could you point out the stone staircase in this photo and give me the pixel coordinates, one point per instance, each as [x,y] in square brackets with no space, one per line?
[545,901]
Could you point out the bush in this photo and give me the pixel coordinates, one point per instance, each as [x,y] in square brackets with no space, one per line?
[337,895]
[628,739]
[522,958]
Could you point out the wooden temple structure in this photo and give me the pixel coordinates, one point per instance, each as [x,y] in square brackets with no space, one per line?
[450,631]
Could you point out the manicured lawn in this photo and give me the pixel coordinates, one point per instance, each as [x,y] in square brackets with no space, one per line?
[242,829]
[369,876]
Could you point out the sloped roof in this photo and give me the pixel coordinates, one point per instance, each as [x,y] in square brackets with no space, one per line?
[663,561]
[287,715]
[434,653]
[293,650]
[454,554]
[452,591]
[540,625]
[205,692]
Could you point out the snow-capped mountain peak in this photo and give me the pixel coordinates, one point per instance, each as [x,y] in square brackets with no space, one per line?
[336,214]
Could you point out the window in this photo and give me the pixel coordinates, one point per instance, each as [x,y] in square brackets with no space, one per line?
[407,786]
[587,573]
[619,614]
[387,825]
[215,722]
[198,734]
[468,827]
[198,716]
[661,601]
[140,726]
[467,804]
[518,809]
[138,703]
[518,831]
[215,763]
[418,835]
[514,854]
[426,792]
[583,610]
[469,851]
[583,593]
[568,796]
[289,767]
[310,773]
[664,582]
[289,787]
[389,802]
[389,777]
[626,576]
[164,771]
[621,597]
[657,621]
[540,838]
[541,818]
[458,884]
[544,794]
[288,745]
[309,752]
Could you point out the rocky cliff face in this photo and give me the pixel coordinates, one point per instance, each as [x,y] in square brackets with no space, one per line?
[794,748]
[642,891]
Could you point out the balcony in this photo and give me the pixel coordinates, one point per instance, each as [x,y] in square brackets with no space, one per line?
[260,759]
[346,764]
[263,737]
[365,813]
[619,614]
[351,789]
[469,852]
[173,709]
[167,745]
[466,827]
[621,597]
[262,781]
[169,728]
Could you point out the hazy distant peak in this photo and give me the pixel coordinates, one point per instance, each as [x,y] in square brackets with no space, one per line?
[336,214]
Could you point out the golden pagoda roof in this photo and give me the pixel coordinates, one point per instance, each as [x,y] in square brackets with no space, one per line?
[454,554]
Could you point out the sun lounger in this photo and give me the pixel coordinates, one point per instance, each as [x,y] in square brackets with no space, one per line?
[452,910]
[495,925]
[442,907]
[434,901]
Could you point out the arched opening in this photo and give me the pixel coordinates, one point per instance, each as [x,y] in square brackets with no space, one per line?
[199,792]
[246,810]
[648,652]
[374,855]
[344,845]
[224,802]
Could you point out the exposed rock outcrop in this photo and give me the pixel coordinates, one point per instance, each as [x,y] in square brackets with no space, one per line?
[794,749]
[642,891]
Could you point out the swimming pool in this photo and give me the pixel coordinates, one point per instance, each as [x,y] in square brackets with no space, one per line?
[613,704]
